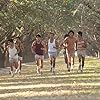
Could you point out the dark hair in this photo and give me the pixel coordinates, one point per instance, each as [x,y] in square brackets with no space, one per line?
[80,33]
[38,35]
[18,37]
[66,35]
[71,31]
[11,40]
[52,33]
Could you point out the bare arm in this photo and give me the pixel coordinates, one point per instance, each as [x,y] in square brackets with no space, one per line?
[44,47]
[22,47]
[76,45]
[57,45]
[64,42]
[33,47]
[6,49]
[18,50]
[85,44]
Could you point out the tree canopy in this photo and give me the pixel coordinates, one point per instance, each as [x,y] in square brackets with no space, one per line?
[29,17]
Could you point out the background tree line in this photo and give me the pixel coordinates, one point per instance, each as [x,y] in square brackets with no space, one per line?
[26,18]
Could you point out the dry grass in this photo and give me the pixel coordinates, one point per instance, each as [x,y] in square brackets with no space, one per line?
[62,86]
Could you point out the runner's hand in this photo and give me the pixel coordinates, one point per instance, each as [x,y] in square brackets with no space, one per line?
[55,47]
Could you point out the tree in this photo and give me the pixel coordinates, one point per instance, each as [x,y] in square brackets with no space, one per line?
[26,18]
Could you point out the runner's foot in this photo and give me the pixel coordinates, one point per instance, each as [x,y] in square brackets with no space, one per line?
[16,71]
[19,72]
[12,74]
[51,69]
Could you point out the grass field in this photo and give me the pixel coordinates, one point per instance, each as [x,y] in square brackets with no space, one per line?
[62,86]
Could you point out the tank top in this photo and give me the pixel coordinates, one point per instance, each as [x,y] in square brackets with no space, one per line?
[51,46]
[38,48]
[12,52]
[80,45]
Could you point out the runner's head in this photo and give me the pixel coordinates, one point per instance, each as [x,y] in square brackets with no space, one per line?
[10,42]
[18,39]
[71,33]
[80,34]
[38,37]
[51,35]
[65,36]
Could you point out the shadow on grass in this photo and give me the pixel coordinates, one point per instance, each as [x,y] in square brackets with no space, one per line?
[65,96]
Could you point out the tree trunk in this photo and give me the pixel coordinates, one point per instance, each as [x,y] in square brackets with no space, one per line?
[2,59]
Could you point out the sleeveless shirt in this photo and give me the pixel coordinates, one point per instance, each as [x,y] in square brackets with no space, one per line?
[51,46]
[38,48]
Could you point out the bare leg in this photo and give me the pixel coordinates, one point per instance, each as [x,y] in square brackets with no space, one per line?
[66,60]
[72,63]
[37,63]
[73,60]
[83,59]
[54,60]
[69,63]
[51,63]
[16,66]
[11,69]
[79,63]
[20,65]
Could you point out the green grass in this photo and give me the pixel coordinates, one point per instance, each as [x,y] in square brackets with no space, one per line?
[62,86]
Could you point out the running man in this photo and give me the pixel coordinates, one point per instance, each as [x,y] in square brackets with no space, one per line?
[65,51]
[81,50]
[70,42]
[20,54]
[52,46]
[13,51]
[38,48]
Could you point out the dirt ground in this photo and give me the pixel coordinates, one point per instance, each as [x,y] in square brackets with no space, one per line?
[61,86]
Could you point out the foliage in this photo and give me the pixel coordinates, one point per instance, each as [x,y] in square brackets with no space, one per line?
[29,17]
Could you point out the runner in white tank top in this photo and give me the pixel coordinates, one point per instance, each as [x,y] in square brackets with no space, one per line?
[13,56]
[13,53]
[52,47]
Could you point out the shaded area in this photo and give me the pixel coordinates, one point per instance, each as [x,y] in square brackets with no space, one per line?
[62,86]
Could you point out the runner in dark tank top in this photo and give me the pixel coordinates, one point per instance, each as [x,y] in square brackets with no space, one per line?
[38,49]
[20,54]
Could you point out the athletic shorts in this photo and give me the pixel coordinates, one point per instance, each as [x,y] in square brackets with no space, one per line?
[71,54]
[37,57]
[81,53]
[52,54]
[13,60]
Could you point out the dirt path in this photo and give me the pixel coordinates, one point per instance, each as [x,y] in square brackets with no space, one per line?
[62,86]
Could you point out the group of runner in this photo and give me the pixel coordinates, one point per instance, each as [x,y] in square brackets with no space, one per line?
[15,50]
[70,44]
[39,47]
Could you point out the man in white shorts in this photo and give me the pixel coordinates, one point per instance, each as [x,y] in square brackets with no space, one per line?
[52,46]
[13,55]
[81,50]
